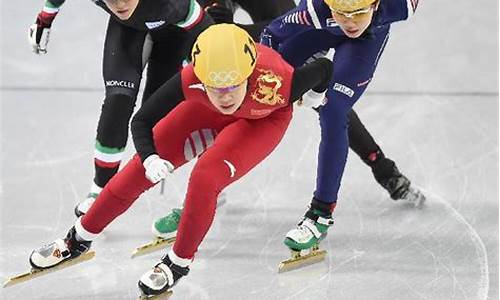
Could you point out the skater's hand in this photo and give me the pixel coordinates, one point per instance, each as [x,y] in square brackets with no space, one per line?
[219,13]
[157,168]
[312,99]
[39,32]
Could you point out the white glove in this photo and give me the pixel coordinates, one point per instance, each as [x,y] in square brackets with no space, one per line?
[312,99]
[39,32]
[157,168]
[39,45]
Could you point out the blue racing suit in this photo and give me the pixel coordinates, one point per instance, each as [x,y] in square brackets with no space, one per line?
[309,29]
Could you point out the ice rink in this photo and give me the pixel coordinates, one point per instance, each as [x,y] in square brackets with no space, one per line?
[432,106]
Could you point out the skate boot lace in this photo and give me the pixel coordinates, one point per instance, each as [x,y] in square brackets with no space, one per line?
[308,225]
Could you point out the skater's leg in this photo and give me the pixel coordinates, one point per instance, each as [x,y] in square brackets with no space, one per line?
[122,70]
[172,136]
[237,149]
[165,60]
[361,141]
[384,169]
[354,64]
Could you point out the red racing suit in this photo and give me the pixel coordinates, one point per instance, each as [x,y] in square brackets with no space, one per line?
[231,145]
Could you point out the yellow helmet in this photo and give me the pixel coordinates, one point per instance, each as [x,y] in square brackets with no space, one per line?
[223,55]
[348,5]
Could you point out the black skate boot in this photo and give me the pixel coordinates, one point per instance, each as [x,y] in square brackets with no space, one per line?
[59,251]
[162,277]
[397,185]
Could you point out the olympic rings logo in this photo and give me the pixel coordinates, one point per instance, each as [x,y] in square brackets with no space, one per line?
[223,77]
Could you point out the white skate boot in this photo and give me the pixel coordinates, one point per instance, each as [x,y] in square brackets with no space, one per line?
[303,241]
[59,251]
[163,276]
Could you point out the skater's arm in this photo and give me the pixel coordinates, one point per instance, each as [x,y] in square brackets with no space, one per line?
[51,7]
[157,106]
[263,13]
[54,3]
[281,29]
[315,75]
[38,33]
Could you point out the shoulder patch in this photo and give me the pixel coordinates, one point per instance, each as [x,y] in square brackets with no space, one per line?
[267,88]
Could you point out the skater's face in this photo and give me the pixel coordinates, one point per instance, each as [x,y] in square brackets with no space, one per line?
[354,23]
[227,100]
[123,9]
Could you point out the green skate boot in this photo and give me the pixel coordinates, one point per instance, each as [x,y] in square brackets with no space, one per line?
[165,230]
[166,227]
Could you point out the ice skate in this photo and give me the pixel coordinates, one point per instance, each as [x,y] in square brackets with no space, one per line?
[156,244]
[83,207]
[304,241]
[58,255]
[397,185]
[157,282]
[165,229]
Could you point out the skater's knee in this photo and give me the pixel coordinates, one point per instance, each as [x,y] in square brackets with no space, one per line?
[334,130]
[204,179]
[332,120]
[116,111]
[130,182]
[119,200]
[119,107]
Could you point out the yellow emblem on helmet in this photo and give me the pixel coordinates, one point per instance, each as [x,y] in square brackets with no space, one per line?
[348,5]
[268,85]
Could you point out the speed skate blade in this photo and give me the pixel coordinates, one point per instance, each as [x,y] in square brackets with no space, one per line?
[299,261]
[162,296]
[157,244]
[34,273]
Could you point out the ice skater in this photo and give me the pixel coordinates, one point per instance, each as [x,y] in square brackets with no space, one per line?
[358,30]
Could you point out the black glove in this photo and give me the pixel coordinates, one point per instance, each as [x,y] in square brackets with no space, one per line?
[219,13]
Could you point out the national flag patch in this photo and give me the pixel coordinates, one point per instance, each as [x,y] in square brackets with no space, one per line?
[298,17]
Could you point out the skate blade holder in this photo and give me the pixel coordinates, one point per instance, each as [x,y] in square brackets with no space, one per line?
[157,244]
[163,296]
[299,260]
[34,273]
